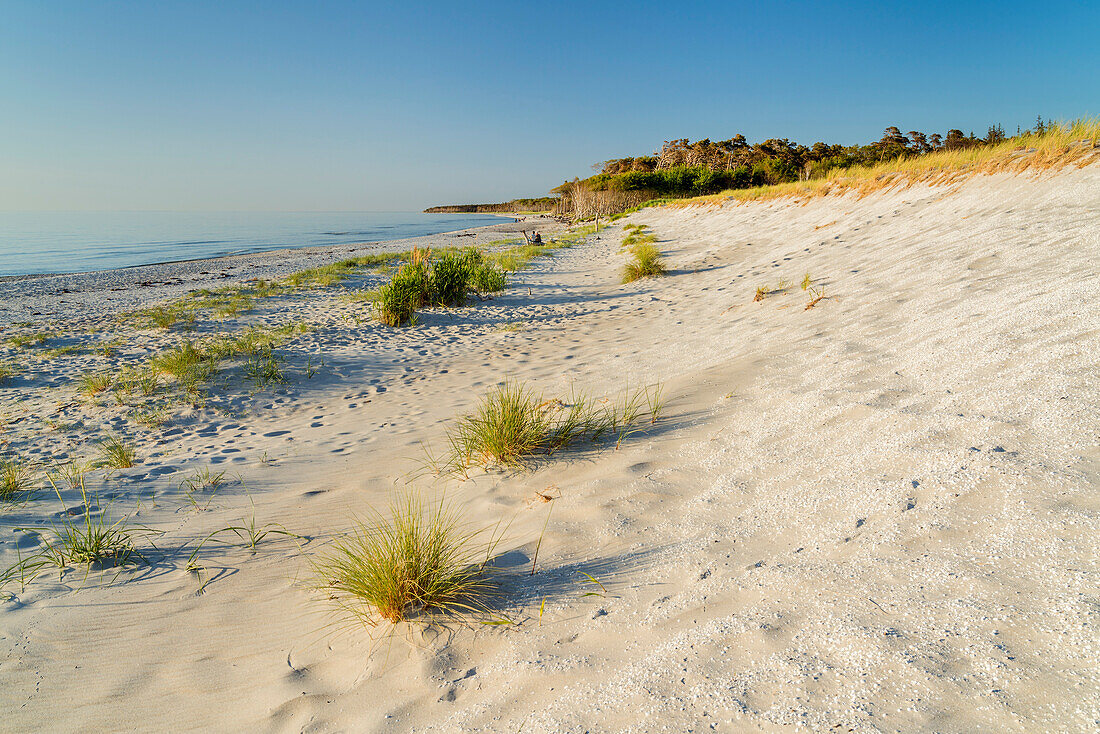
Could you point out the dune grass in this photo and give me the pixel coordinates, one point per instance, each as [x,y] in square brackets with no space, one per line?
[264,369]
[32,339]
[420,559]
[15,481]
[7,371]
[397,301]
[70,473]
[513,423]
[114,453]
[645,262]
[91,540]
[150,417]
[92,384]
[193,363]
[1061,145]
[203,480]
[188,363]
[445,281]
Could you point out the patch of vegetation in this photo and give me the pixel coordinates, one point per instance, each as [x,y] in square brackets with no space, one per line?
[116,453]
[63,351]
[32,339]
[264,368]
[15,480]
[487,278]
[167,315]
[513,423]
[94,383]
[418,560]
[398,300]
[71,473]
[7,371]
[148,382]
[816,295]
[645,262]
[150,417]
[89,539]
[450,278]
[203,480]
[194,363]
[188,364]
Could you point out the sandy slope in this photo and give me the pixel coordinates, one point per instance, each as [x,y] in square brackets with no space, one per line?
[877,515]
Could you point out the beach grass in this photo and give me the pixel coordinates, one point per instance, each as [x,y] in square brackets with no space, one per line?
[90,540]
[420,559]
[71,473]
[645,262]
[115,453]
[31,339]
[203,480]
[513,423]
[92,384]
[16,480]
[264,368]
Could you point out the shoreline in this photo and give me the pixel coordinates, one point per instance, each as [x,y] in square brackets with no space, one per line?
[33,299]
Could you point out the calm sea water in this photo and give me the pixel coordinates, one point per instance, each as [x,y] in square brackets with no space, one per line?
[69,242]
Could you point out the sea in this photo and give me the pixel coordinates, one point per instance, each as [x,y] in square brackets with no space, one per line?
[74,242]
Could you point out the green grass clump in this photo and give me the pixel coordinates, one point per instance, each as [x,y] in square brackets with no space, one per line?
[15,479]
[264,368]
[71,473]
[450,279]
[420,560]
[7,371]
[488,278]
[408,290]
[28,340]
[116,453]
[513,423]
[91,541]
[93,384]
[167,316]
[189,364]
[645,262]
[148,382]
[150,417]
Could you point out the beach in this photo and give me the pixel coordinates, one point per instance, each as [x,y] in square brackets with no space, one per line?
[878,513]
[39,298]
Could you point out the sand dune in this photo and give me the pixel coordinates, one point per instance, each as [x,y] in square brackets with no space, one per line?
[878,514]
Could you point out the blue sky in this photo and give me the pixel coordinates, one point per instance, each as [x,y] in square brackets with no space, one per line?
[370,106]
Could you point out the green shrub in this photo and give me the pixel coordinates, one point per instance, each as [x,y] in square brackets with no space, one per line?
[487,278]
[450,279]
[398,300]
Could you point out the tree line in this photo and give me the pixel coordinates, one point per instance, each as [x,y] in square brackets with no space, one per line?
[684,168]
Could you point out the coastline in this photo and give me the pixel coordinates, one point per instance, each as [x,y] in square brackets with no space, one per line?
[39,298]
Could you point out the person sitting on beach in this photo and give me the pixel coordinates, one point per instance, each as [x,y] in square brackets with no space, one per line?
[537,239]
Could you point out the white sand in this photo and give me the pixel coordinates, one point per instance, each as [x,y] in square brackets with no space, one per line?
[876,515]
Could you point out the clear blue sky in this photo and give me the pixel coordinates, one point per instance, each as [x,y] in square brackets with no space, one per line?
[396,106]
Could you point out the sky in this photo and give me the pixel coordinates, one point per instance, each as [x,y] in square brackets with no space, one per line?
[358,106]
